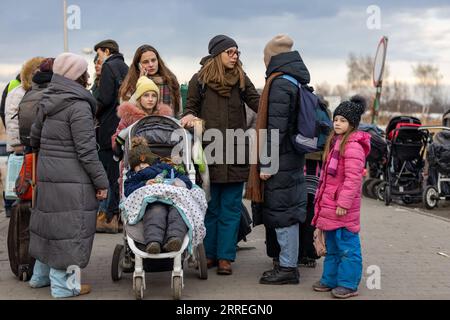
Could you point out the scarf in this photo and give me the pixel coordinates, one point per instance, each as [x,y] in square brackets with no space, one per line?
[334,157]
[255,186]
[231,79]
[164,90]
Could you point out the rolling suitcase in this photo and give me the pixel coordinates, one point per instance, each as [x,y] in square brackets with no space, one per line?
[18,240]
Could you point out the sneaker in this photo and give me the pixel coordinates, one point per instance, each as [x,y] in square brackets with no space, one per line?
[281,275]
[343,293]
[319,287]
[173,244]
[153,248]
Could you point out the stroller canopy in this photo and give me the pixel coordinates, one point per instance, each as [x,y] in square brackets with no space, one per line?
[400,119]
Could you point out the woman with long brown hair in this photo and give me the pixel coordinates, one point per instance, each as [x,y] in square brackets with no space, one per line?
[218,94]
[148,62]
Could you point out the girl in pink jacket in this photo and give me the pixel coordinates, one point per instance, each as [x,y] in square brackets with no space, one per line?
[338,201]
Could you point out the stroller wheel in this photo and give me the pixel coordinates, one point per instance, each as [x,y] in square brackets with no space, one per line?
[177,287]
[139,288]
[380,190]
[116,265]
[365,187]
[407,200]
[387,195]
[371,188]
[201,262]
[430,197]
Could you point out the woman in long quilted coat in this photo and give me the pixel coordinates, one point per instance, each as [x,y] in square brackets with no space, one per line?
[70,180]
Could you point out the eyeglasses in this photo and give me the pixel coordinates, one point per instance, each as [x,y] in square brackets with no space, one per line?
[232,52]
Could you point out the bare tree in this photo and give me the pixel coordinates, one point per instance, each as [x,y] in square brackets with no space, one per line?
[360,74]
[428,83]
[341,91]
[323,88]
[400,92]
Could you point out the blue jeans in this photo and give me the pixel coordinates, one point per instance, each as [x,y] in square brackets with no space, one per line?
[288,240]
[343,263]
[222,220]
[63,284]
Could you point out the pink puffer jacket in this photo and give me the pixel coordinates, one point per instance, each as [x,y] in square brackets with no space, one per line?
[343,190]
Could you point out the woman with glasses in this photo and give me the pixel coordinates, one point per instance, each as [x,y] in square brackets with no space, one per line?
[218,94]
[148,62]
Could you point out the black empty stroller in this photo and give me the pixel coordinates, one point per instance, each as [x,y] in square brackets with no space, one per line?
[405,160]
[438,158]
[376,162]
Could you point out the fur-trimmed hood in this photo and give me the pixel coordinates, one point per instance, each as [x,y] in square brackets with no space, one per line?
[28,70]
[130,113]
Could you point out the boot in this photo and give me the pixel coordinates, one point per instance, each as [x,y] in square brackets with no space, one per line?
[210,263]
[108,227]
[153,248]
[85,289]
[173,244]
[101,218]
[281,276]
[224,267]
[276,265]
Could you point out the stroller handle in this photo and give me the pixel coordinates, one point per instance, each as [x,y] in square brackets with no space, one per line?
[434,127]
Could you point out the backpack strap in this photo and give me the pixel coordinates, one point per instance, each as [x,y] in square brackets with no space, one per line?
[291,79]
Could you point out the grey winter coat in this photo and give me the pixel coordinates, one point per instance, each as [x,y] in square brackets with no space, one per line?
[63,220]
[285,192]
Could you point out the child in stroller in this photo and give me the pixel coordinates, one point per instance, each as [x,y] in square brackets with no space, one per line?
[162,223]
[191,205]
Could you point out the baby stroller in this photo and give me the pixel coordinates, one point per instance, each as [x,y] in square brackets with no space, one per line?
[438,158]
[405,161]
[131,256]
[376,162]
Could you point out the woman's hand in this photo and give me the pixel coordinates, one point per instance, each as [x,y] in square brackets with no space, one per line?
[341,211]
[150,182]
[188,121]
[102,194]
[264,177]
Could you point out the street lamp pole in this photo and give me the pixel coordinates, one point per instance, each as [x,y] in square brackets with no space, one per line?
[66,45]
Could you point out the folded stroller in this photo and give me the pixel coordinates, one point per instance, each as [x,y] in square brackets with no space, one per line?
[373,186]
[438,158]
[405,160]
[131,256]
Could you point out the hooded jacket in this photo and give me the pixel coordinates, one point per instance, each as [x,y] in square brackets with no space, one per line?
[344,189]
[69,173]
[285,192]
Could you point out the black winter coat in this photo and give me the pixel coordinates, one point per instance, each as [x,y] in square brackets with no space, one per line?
[285,192]
[114,71]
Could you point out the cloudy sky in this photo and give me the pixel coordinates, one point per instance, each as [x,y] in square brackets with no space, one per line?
[325,32]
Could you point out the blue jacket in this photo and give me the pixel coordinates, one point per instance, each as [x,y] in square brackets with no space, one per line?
[136,180]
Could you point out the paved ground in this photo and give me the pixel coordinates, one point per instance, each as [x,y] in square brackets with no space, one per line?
[403,242]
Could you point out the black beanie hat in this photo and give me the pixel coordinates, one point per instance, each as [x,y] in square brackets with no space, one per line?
[219,44]
[352,110]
